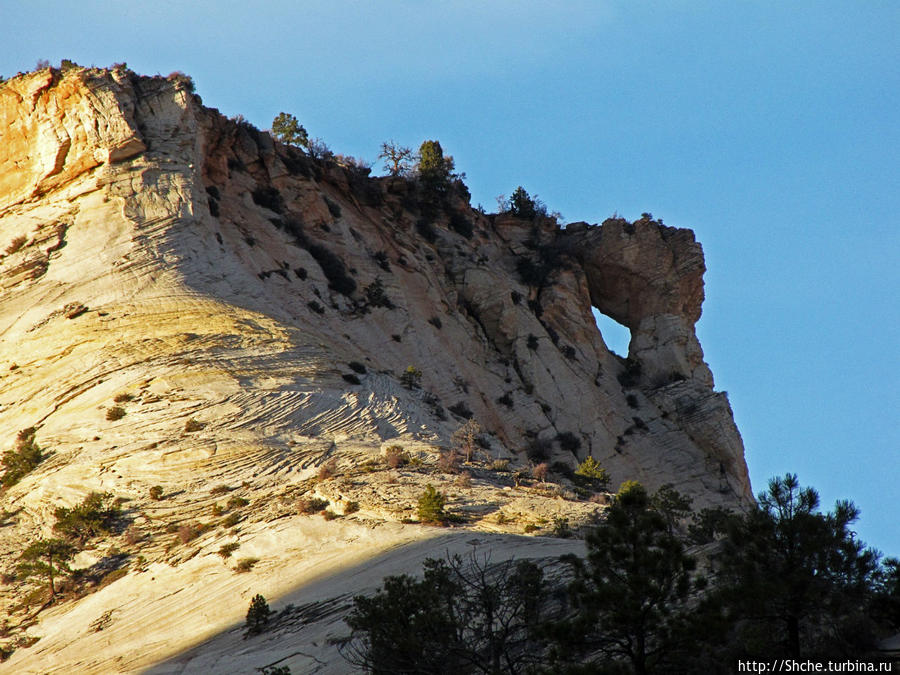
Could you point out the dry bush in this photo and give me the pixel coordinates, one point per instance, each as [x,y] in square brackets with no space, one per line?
[133,536]
[309,505]
[220,490]
[449,461]
[464,480]
[15,245]
[188,532]
[394,456]
[540,471]
[328,469]
[466,438]
[351,507]
[500,465]
[329,515]
[156,493]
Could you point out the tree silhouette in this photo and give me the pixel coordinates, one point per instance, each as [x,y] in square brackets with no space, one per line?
[463,616]
[257,615]
[797,580]
[397,158]
[631,592]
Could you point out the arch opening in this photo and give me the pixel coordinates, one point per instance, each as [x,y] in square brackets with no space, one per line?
[616,336]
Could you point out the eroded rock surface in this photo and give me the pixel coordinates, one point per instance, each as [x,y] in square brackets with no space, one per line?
[157,249]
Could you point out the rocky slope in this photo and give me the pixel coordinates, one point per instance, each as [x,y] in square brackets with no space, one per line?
[220,285]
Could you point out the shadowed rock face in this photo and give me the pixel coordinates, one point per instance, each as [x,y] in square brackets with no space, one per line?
[150,246]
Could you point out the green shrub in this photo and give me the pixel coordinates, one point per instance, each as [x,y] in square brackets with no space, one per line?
[431,506]
[225,550]
[357,367]
[631,376]
[193,425]
[232,520]
[24,458]
[245,564]
[411,377]
[460,409]
[97,514]
[351,507]
[333,268]
[276,670]
[220,490]
[311,505]
[375,295]
[590,468]
[117,412]
[236,502]
[500,465]
[568,441]
[333,208]
[531,527]
[258,615]
[561,528]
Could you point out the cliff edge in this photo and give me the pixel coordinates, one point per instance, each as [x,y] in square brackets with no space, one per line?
[252,313]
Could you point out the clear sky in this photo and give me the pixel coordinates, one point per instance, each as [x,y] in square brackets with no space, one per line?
[771,128]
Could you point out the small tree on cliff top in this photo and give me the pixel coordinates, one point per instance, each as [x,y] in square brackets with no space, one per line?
[397,158]
[288,130]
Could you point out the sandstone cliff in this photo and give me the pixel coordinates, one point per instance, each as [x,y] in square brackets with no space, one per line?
[222,284]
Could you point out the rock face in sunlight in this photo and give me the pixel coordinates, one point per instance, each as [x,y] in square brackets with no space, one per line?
[253,313]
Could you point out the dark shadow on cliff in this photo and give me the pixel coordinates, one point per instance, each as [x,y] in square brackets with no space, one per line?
[307,618]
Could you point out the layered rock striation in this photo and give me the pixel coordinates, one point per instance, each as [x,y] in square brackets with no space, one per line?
[153,248]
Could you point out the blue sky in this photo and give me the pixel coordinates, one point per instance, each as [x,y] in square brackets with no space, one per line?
[771,128]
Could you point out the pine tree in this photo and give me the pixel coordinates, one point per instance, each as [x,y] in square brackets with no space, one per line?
[288,130]
[46,558]
[797,580]
[431,505]
[631,593]
[258,615]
